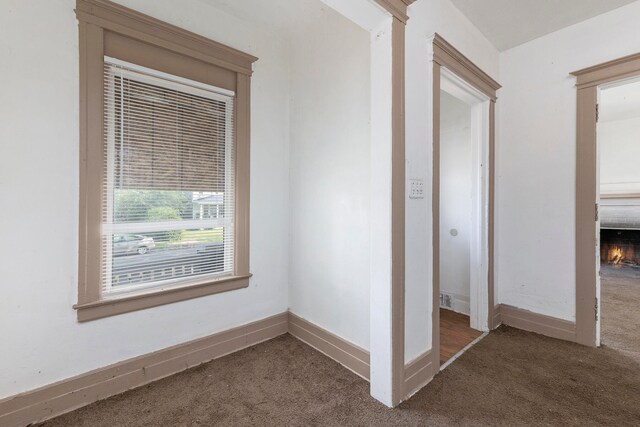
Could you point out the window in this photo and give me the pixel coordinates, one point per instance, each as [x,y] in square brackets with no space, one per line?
[167,141]
[164,170]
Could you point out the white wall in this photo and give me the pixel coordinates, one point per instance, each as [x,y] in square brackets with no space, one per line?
[330,176]
[536,149]
[41,339]
[427,17]
[619,144]
[455,200]
[381,295]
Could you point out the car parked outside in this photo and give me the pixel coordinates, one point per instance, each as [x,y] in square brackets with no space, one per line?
[125,244]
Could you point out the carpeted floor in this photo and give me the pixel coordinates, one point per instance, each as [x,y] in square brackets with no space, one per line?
[509,378]
[620,323]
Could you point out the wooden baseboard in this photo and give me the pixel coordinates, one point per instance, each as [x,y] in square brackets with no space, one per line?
[497,318]
[67,395]
[538,323]
[418,373]
[349,355]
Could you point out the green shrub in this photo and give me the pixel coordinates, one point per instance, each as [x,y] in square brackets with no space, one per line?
[165,214]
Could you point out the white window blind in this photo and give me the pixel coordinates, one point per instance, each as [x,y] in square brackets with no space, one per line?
[168,192]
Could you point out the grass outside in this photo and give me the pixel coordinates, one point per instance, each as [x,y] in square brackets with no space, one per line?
[207,236]
[193,236]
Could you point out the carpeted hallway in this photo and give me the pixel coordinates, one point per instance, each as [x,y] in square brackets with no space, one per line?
[509,378]
[620,326]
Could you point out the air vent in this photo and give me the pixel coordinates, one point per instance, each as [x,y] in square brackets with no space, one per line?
[446,300]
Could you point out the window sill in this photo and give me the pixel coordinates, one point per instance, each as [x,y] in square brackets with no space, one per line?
[127,303]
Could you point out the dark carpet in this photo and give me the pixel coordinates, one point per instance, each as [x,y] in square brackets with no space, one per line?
[620,323]
[509,378]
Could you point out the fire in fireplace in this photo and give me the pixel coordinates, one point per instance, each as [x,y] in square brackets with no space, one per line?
[620,247]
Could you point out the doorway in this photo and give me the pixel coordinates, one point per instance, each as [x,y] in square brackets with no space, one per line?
[606,204]
[460,78]
[463,209]
[618,148]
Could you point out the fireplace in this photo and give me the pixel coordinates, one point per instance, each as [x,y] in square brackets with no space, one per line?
[620,231]
[620,247]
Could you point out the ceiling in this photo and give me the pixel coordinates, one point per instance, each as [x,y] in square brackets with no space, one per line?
[620,101]
[283,16]
[509,23]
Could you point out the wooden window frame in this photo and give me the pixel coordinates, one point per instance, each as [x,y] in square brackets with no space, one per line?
[106,28]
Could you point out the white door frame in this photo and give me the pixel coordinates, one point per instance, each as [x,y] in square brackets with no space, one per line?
[479,237]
